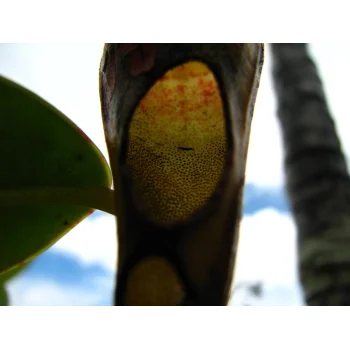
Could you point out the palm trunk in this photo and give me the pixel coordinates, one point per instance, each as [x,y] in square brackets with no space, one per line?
[317,179]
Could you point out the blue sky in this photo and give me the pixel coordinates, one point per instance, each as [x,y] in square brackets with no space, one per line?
[79,269]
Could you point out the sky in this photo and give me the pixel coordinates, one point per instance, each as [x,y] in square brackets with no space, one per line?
[79,269]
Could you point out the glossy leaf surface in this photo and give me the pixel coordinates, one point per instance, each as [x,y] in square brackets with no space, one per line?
[41,148]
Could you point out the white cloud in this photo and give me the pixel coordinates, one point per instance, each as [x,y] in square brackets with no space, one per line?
[92,241]
[272,295]
[332,60]
[37,292]
[267,247]
[267,254]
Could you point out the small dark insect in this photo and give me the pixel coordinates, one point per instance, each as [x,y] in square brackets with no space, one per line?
[65,223]
[186,148]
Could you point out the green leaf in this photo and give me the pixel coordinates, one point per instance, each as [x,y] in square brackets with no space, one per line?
[4,300]
[51,175]
[92,197]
